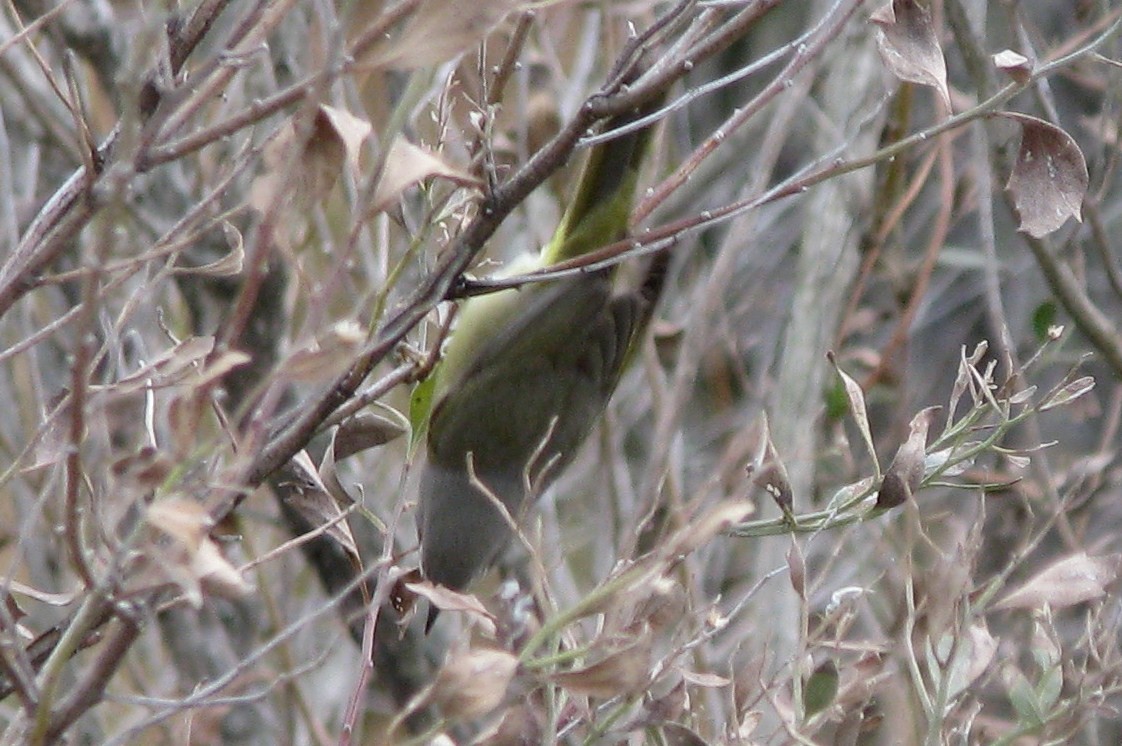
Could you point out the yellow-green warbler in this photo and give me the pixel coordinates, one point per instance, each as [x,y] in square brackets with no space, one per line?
[527,373]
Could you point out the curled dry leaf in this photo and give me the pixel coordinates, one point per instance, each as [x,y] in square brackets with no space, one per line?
[769,471]
[355,435]
[909,46]
[334,142]
[228,265]
[623,671]
[406,164]
[319,503]
[1016,66]
[1068,582]
[446,599]
[472,683]
[1069,392]
[195,563]
[168,367]
[368,430]
[1049,178]
[905,473]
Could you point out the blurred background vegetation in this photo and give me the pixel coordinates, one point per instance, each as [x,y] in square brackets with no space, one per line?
[230,230]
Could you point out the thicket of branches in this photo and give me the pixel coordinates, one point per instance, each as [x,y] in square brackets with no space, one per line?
[861,484]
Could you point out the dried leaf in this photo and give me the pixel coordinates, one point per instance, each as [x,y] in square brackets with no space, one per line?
[621,672]
[796,569]
[962,378]
[227,266]
[335,142]
[909,46]
[675,734]
[350,130]
[147,468]
[194,563]
[407,164]
[1016,66]
[368,430]
[716,521]
[1049,178]
[52,599]
[472,683]
[707,680]
[664,603]
[319,503]
[769,472]
[446,599]
[438,31]
[1068,393]
[1068,582]
[905,473]
[326,357]
[857,408]
[168,367]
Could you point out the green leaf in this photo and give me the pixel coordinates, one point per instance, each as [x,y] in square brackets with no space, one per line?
[1043,318]
[420,409]
[1023,697]
[820,688]
[1048,690]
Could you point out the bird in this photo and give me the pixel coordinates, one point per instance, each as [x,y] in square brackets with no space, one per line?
[527,372]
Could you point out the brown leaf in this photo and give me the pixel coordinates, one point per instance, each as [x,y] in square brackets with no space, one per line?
[335,141]
[1049,178]
[768,470]
[169,366]
[621,672]
[675,734]
[707,680]
[796,569]
[319,504]
[662,602]
[472,683]
[326,357]
[194,562]
[439,31]
[446,599]
[716,521]
[368,430]
[407,164]
[1068,582]
[905,473]
[350,131]
[228,265]
[909,46]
